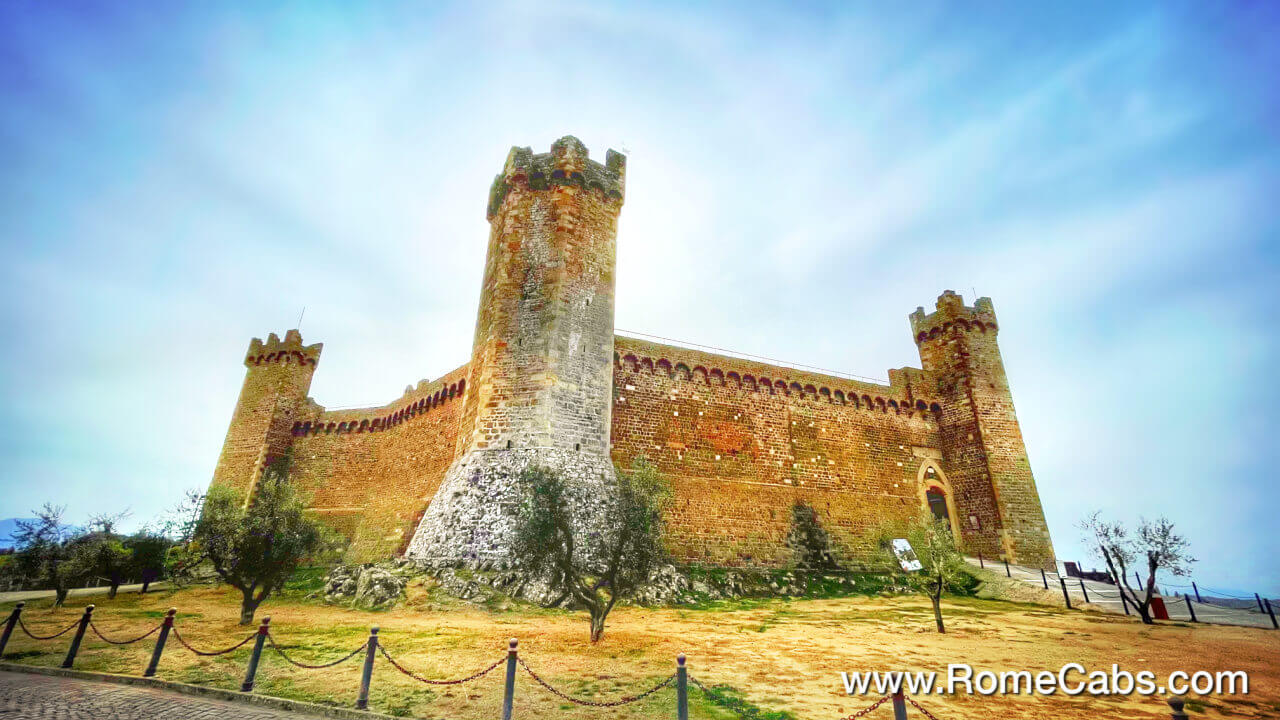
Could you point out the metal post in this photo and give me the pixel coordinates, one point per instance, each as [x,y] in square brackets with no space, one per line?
[164,635]
[247,685]
[1044,578]
[1084,590]
[13,620]
[899,707]
[75,642]
[682,689]
[1138,578]
[1176,702]
[1190,609]
[508,694]
[362,702]
[1065,596]
[1258,597]
[1193,587]
[980,563]
[1271,613]
[1006,568]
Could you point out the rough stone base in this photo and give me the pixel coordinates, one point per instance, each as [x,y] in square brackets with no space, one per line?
[471,520]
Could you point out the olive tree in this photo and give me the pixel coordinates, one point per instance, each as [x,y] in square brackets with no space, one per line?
[255,547]
[43,552]
[595,569]
[148,554]
[1156,545]
[99,551]
[942,567]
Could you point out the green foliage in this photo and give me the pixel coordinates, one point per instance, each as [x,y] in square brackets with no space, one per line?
[627,549]
[256,549]
[148,555]
[942,565]
[43,551]
[807,539]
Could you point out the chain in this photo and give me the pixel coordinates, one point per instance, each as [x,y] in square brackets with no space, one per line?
[124,642]
[421,679]
[867,710]
[34,636]
[924,712]
[291,661]
[623,701]
[210,654]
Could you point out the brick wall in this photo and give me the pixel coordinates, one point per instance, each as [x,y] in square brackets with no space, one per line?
[371,472]
[980,435]
[741,442]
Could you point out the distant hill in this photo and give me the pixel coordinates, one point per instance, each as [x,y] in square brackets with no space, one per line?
[7,528]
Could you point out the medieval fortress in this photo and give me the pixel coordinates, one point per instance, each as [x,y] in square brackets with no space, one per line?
[548,382]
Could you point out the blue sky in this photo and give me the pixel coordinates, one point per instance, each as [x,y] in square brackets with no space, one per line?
[178,179]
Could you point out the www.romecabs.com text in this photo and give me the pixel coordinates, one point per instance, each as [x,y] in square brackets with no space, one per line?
[1071,679]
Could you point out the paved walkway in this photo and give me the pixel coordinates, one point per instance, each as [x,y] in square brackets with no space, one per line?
[17,595]
[1107,597]
[57,698]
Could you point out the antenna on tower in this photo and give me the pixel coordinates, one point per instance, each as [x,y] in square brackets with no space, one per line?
[304,312]
[975,293]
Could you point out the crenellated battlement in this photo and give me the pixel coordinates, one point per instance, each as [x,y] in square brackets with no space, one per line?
[952,312]
[289,350]
[568,163]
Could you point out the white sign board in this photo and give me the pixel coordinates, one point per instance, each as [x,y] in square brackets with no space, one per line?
[906,556]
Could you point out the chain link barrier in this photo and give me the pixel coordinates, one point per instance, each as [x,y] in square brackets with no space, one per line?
[305,666]
[428,681]
[34,636]
[202,653]
[924,712]
[590,703]
[143,636]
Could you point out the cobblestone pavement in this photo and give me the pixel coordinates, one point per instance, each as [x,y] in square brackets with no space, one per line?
[56,698]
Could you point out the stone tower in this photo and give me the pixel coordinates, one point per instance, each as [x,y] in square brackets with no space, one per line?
[539,385]
[275,389]
[980,437]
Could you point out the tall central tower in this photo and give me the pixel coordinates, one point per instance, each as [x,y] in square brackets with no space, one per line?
[539,387]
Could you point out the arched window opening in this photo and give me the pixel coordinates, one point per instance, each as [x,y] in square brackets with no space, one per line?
[938,504]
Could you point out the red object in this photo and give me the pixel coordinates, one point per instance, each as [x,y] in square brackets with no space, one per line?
[1158,610]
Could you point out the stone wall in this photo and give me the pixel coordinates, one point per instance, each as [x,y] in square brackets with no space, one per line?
[742,442]
[980,435]
[371,472]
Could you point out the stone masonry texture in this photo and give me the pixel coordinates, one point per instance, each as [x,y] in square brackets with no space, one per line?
[548,382]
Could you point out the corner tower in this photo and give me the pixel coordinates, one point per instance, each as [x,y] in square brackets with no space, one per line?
[275,388]
[981,441]
[539,386]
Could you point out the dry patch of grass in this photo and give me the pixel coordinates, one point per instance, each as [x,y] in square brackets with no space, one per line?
[769,658]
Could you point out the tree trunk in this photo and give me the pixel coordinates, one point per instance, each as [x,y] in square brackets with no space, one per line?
[248,606]
[937,612]
[115,586]
[59,596]
[597,625]
[145,585]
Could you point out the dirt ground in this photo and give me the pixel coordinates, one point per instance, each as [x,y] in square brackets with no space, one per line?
[778,658]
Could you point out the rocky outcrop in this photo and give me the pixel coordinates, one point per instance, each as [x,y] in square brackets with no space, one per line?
[367,586]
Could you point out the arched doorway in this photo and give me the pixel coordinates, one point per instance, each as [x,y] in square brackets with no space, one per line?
[935,494]
[938,504]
